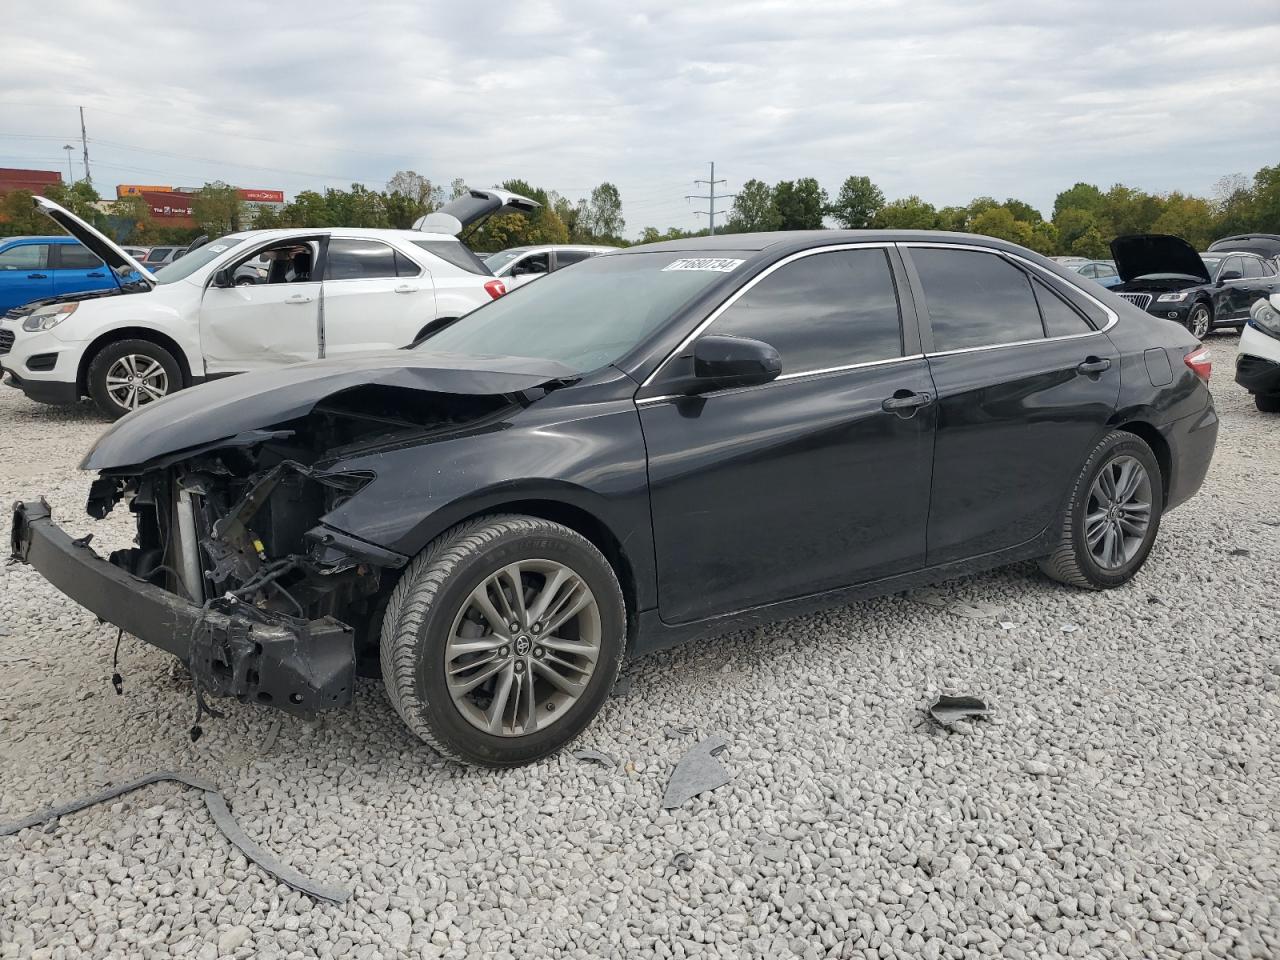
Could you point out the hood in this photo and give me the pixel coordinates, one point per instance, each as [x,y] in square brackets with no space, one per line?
[110,253]
[27,308]
[1143,254]
[473,208]
[247,402]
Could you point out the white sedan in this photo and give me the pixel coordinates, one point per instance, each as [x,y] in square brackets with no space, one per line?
[326,292]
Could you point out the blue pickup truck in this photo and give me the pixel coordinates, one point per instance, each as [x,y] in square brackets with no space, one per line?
[32,268]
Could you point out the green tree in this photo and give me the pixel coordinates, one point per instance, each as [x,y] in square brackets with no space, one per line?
[1191,218]
[857,203]
[603,214]
[19,217]
[218,209]
[133,216]
[754,209]
[801,204]
[1090,244]
[1022,211]
[1072,223]
[78,197]
[1000,222]
[953,218]
[908,213]
[1129,210]
[1082,196]
[408,196]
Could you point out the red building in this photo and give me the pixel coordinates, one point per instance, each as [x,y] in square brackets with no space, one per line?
[37,181]
[169,208]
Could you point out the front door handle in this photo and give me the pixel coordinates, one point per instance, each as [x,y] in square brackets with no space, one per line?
[904,401]
[1094,365]
[298,298]
[37,276]
[406,288]
[95,275]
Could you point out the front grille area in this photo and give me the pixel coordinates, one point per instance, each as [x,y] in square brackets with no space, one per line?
[1140,300]
[6,341]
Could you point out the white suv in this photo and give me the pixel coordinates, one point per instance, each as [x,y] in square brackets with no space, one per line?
[518,265]
[325,292]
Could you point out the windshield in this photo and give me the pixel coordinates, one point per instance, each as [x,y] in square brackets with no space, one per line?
[193,261]
[499,260]
[1211,264]
[588,316]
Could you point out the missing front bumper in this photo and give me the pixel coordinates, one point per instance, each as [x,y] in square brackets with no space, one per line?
[233,649]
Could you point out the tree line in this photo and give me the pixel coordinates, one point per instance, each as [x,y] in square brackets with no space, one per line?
[1084,218]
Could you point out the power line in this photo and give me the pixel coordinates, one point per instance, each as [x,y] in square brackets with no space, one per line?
[710,196]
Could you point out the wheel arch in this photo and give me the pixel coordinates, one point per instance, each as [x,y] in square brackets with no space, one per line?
[117,334]
[1159,446]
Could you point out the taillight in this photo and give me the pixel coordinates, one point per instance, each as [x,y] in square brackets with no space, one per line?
[1201,362]
[495,288]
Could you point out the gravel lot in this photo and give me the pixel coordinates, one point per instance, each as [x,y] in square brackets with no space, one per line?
[1123,800]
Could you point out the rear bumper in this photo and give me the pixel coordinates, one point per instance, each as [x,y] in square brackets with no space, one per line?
[233,649]
[1191,444]
[1258,362]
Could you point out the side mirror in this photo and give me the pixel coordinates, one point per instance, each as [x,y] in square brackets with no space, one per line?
[1229,275]
[723,362]
[224,278]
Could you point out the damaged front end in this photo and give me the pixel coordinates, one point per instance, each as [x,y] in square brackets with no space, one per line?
[233,569]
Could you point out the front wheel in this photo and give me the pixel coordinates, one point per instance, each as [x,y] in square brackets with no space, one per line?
[502,640]
[129,374]
[1112,516]
[1199,320]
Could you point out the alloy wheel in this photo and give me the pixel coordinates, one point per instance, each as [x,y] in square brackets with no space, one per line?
[135,380]
[1118,514]
[523,648]
[1198,322]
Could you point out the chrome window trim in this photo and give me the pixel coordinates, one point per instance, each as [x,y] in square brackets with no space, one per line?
[784,376]
[741,291]
[1112,317]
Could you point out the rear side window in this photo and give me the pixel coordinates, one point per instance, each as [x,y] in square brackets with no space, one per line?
[1060,318]
[29,256]
[824,310]
[566,257]
[73,256]
[406,267]
[1252,268]
[976,299]
[348,259]
[452,251]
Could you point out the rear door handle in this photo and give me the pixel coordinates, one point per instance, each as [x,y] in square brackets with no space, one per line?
[95,275]
[37,276]
[1094,365]
[905,401]
[406,288]
[298,298]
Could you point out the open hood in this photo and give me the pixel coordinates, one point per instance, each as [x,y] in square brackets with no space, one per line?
[249,403]
[472,208]
[1142,254]
[111,254]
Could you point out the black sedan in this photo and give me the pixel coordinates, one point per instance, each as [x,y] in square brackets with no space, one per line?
[663,442]
[1165,276]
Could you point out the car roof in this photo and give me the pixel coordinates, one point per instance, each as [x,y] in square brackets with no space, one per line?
[787,240]
[369,233]
[540,247]
[60,238]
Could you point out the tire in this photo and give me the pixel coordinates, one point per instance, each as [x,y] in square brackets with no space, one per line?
[1267,403]
[1199,320]
[1072,560]
[162,377]
[432,604]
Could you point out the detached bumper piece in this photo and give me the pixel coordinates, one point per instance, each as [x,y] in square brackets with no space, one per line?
[232,648]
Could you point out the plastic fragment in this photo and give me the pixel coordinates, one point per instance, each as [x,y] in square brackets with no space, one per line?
[594,756]
[269,740]
[682,861]
[697,772]
[979,610]
[1007,625]
[622,687]
[947,710]
[1238,552]
[1070,627]
[675,733]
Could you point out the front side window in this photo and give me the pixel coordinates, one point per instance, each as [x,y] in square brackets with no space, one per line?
[975,299]
[73,256]
[28,256]
[533,263]
[821,311]
[1232,269]
[591,315]
[348,259]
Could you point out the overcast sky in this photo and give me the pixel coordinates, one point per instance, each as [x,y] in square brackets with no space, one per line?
[945,99]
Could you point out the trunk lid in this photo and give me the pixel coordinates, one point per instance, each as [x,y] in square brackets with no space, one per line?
[1144,254]
[473,208]
[111,253]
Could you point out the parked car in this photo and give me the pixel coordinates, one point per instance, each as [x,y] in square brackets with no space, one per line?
[1100,271]
[329,292]
[1265,245]
[1258,358]
[668,441]
[519,265]
[138,253]
[1070,261]
[158,257]
[1165,276]
[37,268]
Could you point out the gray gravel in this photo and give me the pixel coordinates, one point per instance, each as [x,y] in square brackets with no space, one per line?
[1122,801]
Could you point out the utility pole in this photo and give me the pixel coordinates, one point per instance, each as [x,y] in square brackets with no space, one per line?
[71,177]
[710,196]
[84,142]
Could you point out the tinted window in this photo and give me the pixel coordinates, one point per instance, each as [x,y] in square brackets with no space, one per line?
[1232,265]
[534,263]
[824,310]
[1060,318]
[358,260]
[451,251]
[566,257]
[158,254]
[30,256]
[975,299]
[1252,268]
[406,267]
[73,256]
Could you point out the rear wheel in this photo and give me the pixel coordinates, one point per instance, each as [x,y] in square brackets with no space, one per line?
[129,374]
[502,640]
[1112,516]
[1267,403]
[1199,320]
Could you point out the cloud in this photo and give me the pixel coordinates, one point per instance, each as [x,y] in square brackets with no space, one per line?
[944,100]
